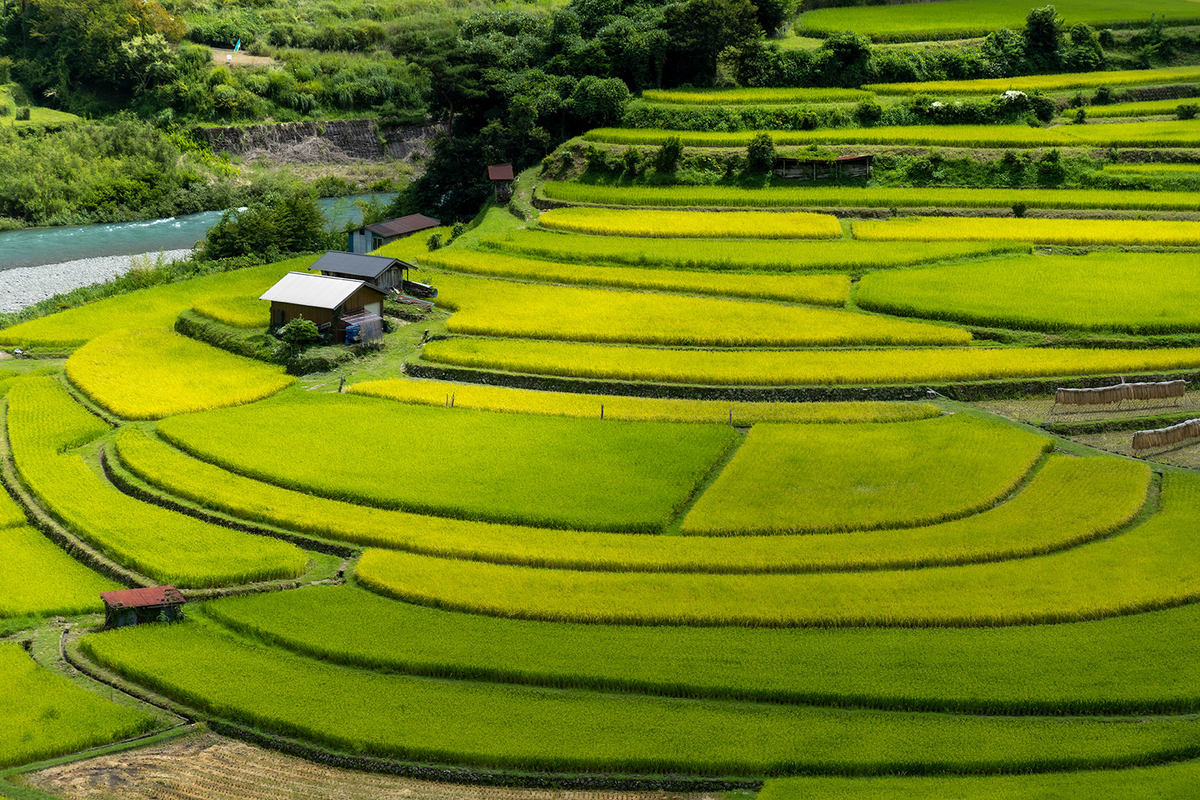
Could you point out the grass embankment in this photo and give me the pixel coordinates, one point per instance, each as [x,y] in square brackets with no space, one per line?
[43,421]
[537,470]
[691,224]
[461,722]
[521,310]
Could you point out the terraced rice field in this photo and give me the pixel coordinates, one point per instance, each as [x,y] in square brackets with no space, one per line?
[1046,83]
[1041,231]
[689,224]
[733,97]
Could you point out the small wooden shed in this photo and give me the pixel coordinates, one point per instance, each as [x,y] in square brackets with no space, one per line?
[382,272]
[811,169]
[501,176]
[324,300]
[136,606]
[373,237]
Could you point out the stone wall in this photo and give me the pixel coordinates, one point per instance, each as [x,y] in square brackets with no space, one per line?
[338,141]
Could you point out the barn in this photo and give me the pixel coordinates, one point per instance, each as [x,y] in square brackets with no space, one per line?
[382,272]
[333,304]
[373,237]
[136,606]
[812,169]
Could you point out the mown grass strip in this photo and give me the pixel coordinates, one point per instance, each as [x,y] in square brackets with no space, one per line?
[733,97]
[1133,292]
[775,256]
[154,373]
[873,197]
[692,224]
[821,479]
[1028,524]
[537,311]
[43,715]
[1141,664]
[824,290]
[1148,567]
[43,421]
[799,367]
[535,470]
[1039,231]
[1045,83]
[503,726]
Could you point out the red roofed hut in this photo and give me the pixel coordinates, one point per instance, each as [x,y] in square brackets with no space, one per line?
[501,176]
[135,606]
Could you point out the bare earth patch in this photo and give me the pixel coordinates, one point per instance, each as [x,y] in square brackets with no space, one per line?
[213,767]
[240,59]
[1039,410]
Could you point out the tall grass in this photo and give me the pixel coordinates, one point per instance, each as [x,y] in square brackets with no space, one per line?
[690,224]
[1040,231]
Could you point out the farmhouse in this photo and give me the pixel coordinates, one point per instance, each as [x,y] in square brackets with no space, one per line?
[135,606]
[381,272]
[348,310]
[373,237]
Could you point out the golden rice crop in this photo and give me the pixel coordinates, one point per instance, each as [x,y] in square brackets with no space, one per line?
[40,579]
[800,367]
[414,247]
[1139,109]
[825,290]
[151,374]
[239,312]
[730,224]
[650,409]
[1040,231]
[537,311]
[1147,567]
[1044,83]
[1153,168]
[730,97]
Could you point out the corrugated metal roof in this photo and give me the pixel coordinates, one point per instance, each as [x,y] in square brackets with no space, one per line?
[404,225]
[314,291]
[500,172]
[355,264]
[143,598]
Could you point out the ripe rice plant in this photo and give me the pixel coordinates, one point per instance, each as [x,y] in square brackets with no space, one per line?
[1045,83]
[156,307]
[955,19]
[43,421]
[537,470]
[1139,109]
[43,715]
[1141,664]
[414,247]
[800,367]
[150,374]
[1039,231]
[1154,169]
[648,409]
[240,312]
[878,197]
[1147,567]
[692,224]
[733,97]
[821,478]
[824,290]
[466,722]
[1028,524]
[1133,292]
[750,254]
[40,579]
[508,309]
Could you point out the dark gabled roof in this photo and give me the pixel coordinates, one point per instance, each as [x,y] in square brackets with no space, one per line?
[367,268]
[500,172]
[402,226]
[143,598]
[314,291]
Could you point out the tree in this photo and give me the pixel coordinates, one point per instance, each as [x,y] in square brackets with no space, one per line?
[843,59]
[1085,53]
[453,77]
[760,153]
[667,157]
[1003,53]
[701,29]
[1043,39]
[598,102]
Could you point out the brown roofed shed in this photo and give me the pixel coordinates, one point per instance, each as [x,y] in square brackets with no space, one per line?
[135,606]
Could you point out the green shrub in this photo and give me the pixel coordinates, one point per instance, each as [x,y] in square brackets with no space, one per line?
[1187,111]
[667,157]
[760,153]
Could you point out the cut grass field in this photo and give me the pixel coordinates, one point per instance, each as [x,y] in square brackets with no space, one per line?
[1145,568]
[151,374]
[724,255]
[1154,133]
[1131,292]
[486,307]
[822,478]
[648,409]
[1028,524]
[538,470]
[874,197]
[1141,664]
[824,289]
[692,224]
[1039,231]
[799,367]
[43,715]
[153,308]
[505,726]
[43,421]
[1045,83]
[734,97]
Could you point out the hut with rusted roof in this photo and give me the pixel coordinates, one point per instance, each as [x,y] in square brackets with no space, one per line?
[135,606]
[501,176]
[373,237]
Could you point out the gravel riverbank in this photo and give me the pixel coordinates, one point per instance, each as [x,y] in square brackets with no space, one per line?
[24,286]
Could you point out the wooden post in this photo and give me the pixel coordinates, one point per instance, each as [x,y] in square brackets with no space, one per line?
[602,411]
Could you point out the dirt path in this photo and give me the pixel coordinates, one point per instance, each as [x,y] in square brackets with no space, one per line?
[240,58]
